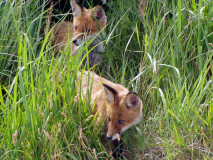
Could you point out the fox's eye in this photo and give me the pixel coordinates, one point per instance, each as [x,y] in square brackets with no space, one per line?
[121,121]
[109,119]
[75,27]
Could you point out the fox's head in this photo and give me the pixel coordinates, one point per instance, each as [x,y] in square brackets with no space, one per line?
[84,21]
[123,111]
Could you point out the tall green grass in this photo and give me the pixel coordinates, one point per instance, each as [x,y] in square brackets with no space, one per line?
[160,49]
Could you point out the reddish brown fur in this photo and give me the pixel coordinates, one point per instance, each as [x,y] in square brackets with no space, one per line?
[64,33]
[119,109]
[85,22]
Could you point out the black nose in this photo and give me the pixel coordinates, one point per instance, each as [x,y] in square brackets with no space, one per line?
[74,41]
[109,138]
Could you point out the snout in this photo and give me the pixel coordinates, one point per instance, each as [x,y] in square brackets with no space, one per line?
[77,40]
[112,133]
[74,41]
[109,137]
[114,137]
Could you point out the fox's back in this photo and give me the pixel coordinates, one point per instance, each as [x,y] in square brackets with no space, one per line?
[92,81]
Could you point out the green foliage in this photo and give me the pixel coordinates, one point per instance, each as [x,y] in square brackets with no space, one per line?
[161,49]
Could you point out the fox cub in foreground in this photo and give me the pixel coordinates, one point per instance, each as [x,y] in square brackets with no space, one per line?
[86,24]
[115,104]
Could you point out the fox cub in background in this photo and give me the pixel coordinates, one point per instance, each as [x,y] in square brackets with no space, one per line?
[115,104]
[86,23]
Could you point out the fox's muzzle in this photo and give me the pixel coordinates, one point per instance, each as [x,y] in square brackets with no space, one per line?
[75,42]
[109,138]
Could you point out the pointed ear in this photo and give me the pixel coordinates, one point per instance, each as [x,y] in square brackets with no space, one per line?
[76,9]
[110,93]
[132,101]
[98,13]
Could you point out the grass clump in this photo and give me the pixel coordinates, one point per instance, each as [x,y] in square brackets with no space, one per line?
[161,49]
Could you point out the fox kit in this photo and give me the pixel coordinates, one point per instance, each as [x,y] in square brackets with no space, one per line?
[115,104]
[86,23]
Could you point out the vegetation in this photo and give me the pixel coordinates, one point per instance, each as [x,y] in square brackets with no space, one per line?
[161,49]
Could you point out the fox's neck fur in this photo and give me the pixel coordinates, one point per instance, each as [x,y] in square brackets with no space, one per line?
[94,55]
